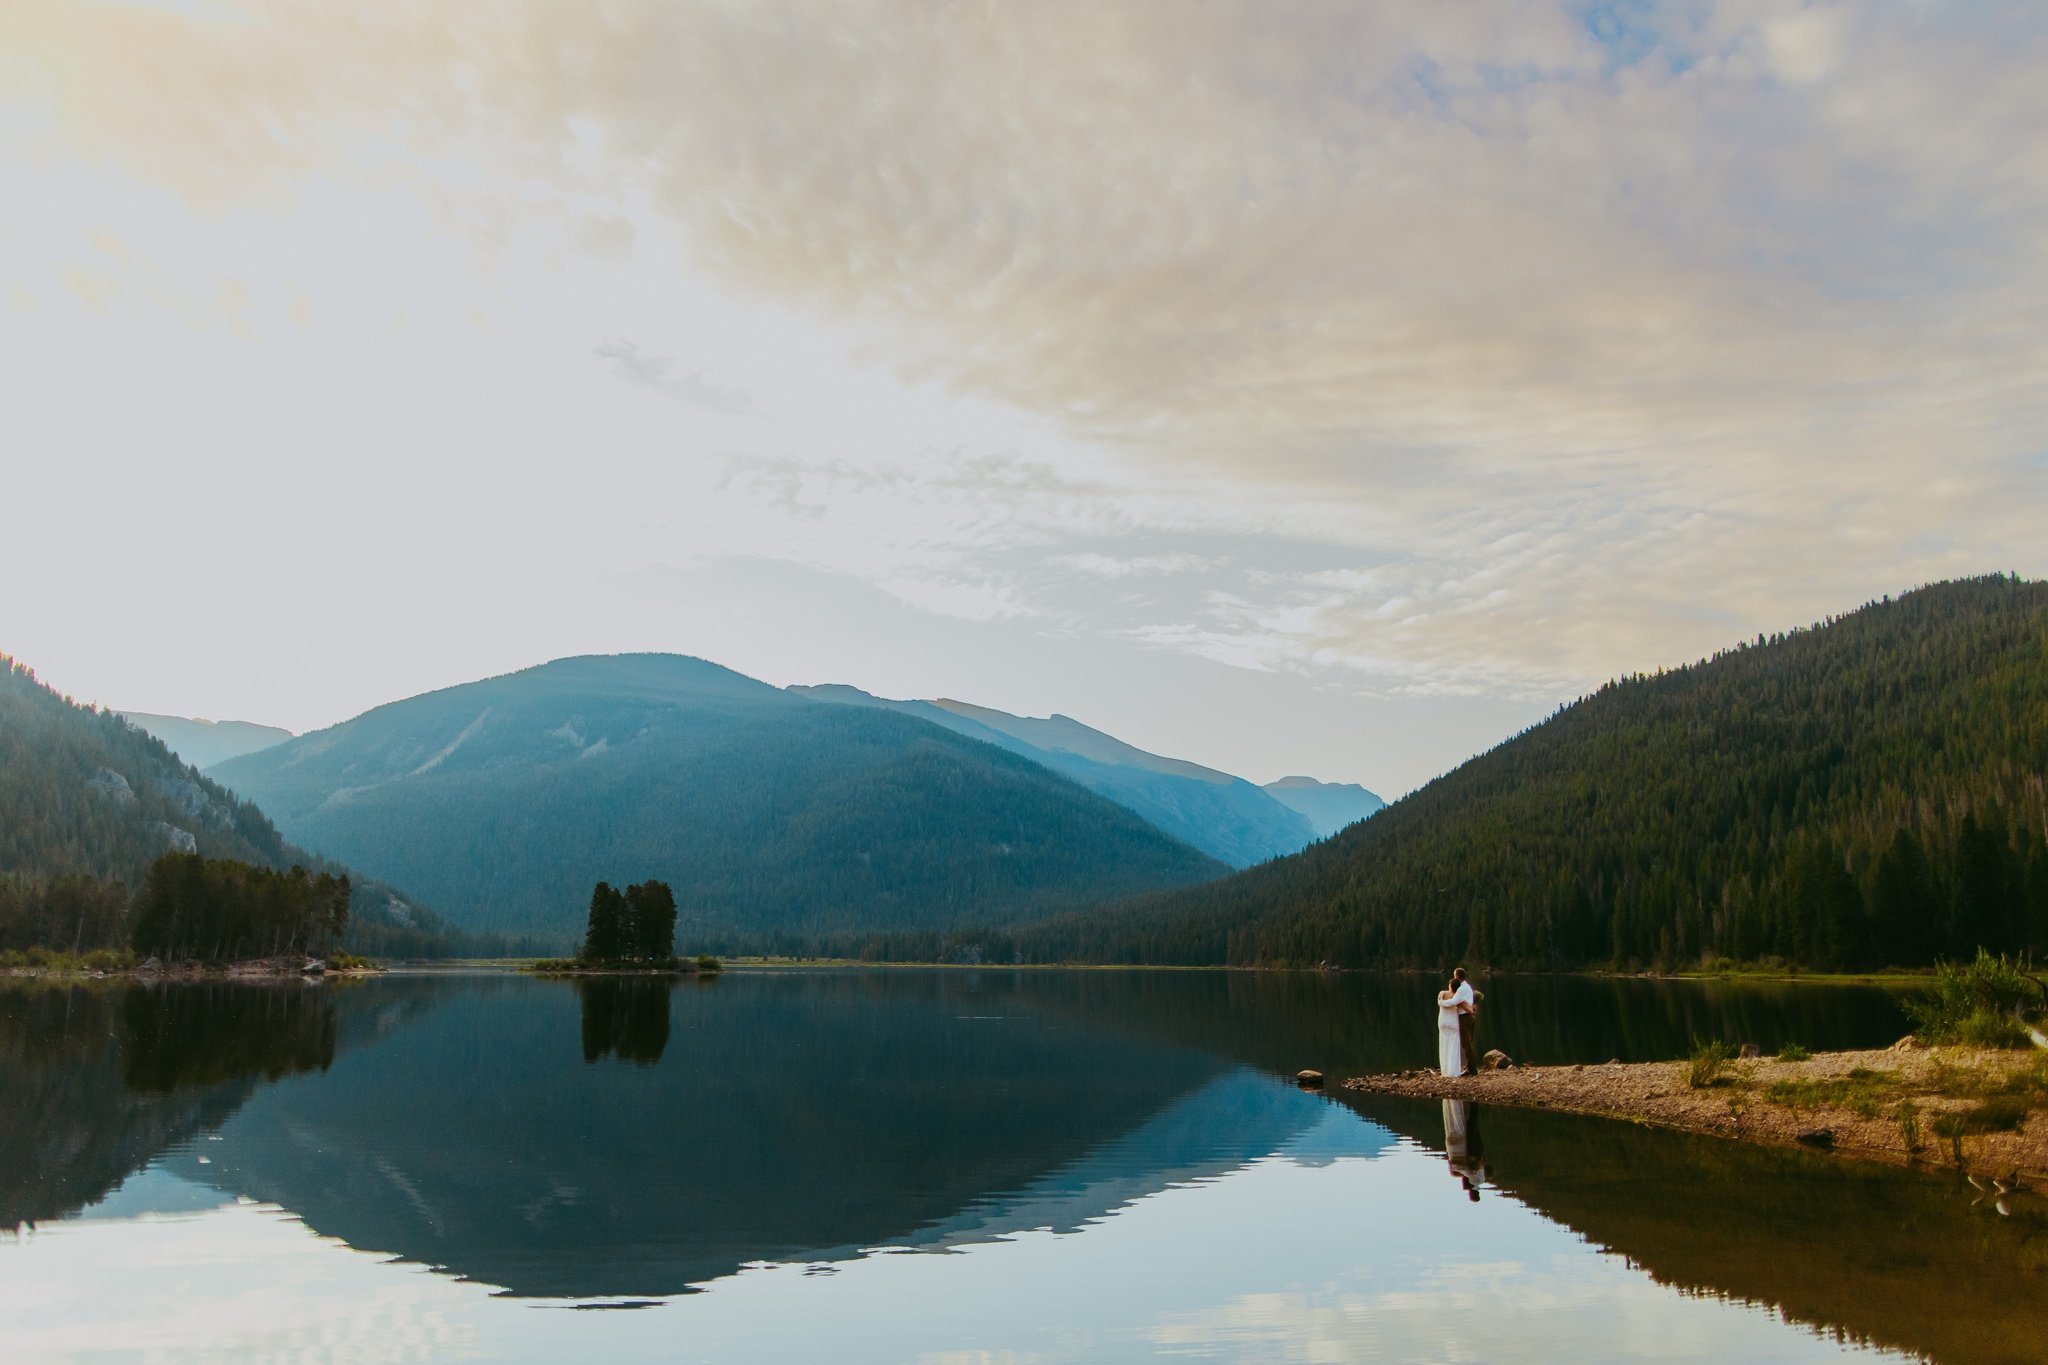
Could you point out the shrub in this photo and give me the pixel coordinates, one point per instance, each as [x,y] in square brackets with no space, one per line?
[1795,1052]
[707,963]
[1708,1057]
[1981,1003]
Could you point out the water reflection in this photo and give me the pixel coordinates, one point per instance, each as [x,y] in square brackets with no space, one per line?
[626,1016]
[1896,1258]
[792,1119]
[1462,1147]
[178,1037]
[98,1080]
[1346,1023]
[805,1120]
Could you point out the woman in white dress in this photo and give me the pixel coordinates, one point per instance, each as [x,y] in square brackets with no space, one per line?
[1450,1052]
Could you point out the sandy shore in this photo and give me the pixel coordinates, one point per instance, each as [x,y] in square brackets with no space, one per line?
[1901,1105]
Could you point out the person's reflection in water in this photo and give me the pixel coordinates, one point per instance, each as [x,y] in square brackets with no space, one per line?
[1462,1146]
[628,1018]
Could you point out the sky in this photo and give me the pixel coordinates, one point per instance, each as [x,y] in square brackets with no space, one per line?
[1291,387]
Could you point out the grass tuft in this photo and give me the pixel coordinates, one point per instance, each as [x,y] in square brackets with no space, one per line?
[1908,1116]
[1709,1056]
[1862,1092]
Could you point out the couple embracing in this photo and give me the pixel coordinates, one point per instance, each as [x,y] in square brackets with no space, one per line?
[1456,1006]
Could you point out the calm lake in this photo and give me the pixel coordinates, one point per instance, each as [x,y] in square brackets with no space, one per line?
[939,1165]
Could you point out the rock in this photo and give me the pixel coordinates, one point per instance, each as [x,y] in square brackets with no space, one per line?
[177,840]
[1496,1060]
[181,791]
[314,967]
[113,786]
[1614,1061]
[1750,1052]
[1581,1066]
[1815,1137]
[1309,1080]
[151,964]
[1906,1044]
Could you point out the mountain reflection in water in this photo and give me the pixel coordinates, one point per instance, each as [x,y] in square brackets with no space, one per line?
[636,1138]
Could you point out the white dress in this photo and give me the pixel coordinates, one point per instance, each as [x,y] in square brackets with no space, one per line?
[1450,1051]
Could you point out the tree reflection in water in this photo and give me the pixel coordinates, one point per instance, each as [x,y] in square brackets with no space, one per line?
[626,1017]
[96,1081]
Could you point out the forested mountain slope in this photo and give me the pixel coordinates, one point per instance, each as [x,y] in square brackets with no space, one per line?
[1873,790]
[85,792]
[1226,817]
[774,817]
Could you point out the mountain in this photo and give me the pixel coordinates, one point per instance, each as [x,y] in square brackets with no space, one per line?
[1226,817]
[1328,806]
[203,743]
[776,818]
[1870,791]
[87,793]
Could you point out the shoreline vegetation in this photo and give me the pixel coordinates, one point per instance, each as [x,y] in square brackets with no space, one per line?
[109,963]
[704,964]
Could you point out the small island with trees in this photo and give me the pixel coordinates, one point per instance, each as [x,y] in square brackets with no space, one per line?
[631,931]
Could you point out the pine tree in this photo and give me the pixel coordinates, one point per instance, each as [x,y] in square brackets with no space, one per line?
[654,920]
[1903,903]
[604,940]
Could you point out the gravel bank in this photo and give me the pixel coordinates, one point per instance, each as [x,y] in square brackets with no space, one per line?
[1898,1105]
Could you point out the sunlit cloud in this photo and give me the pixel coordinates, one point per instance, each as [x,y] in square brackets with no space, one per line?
[1423,349]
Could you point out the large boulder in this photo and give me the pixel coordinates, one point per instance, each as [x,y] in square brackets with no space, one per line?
[1496,1060]
[1309,1080]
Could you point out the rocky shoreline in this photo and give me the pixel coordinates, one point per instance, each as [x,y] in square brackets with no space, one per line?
[1984,1111]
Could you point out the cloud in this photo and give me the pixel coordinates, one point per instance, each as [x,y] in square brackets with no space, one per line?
[635,366]
[1562,340]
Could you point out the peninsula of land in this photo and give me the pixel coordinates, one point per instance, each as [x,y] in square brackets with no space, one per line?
[1981,1110]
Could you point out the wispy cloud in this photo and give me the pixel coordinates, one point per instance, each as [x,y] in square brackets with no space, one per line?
[635,366]
[1442,347]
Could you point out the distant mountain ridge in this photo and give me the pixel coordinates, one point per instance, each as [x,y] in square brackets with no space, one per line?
[1226,817]
[776,817]
[1328,806]
[203,743]
[1872,791]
